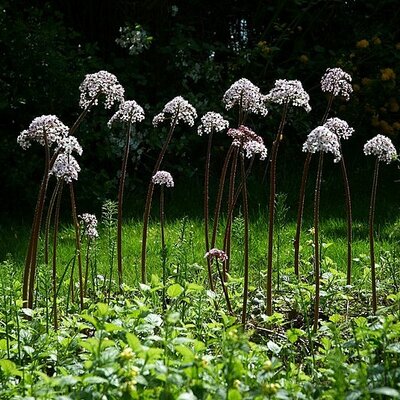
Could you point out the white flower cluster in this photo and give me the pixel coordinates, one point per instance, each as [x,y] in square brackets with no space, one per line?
[247,96]
[163,178]
[90,225]
[129,111]
[249,141]
[178,108]
[101,82]
[65,167]
[337,82]
[289,92]
[339,127]
[212,121]
[46,125]
[322,139]
[216,254]
[382,147]
[69,144]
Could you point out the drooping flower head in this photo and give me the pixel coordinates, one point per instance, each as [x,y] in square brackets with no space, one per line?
[322,139]
[289,92]
[249,141]
[65,167]
[212,121]
[129,111]
[337,82]
[100,83]
[382,147]
[163,178]
[339,127]
[89,222]
[216,254]
[48,126]
[246,95]
[68,145]
[178,109]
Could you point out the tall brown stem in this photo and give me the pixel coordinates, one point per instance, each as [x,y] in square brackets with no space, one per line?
[271,205]
[371,234]
[317,196]
[206,209]
[163,247]
[120,203]
[300,213]
[246,241]
[149,198]
[349,218]
[78,242]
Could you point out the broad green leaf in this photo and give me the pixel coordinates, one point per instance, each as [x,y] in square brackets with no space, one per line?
[103,309]
[387,391]
[9,368]
[175,290]
[133,342]
[234,394]
[274,347]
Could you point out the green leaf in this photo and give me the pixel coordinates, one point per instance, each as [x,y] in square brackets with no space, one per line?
[175,290]
[387,391]
[194,287]
[109,327]
[103,309]
[234,394]
[94,380]
[133,342]
[9,368]
[274,347]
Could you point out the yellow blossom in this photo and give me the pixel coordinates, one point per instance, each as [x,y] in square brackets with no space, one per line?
[376,41]
[385,127]
[303,58]
[387,74]
[362,44]
[127,353]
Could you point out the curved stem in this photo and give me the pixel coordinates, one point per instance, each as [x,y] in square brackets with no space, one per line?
[371,234]
[78,242]
[206,209]
[246,242]
[82,115]
[349,218]
[317,196]
[271,205]
[31,258]
[224,288]
[300,213]
[149,198]
[219,195]
[163,247]
[120,203]
[228,229]
[54,260]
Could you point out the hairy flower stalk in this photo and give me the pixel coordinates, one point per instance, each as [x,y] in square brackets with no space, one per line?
[320,140]
[381,147]
[211,122]
[129,113]
[45,130]
[286,93]
[163,178]
[335,82]
[343,131]
[178,109]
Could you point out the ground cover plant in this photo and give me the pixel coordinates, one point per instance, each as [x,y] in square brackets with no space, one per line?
[163,309]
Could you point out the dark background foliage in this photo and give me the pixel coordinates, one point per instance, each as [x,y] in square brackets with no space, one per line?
[197,49]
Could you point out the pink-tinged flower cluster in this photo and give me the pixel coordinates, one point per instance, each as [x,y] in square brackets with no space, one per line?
[89,222]
[322,139]
[216,254]
[212,121]
[163,178]
[65,167]
[248,141]
[178,109]
[100,83]
[46,126]
[246,95]
[382,147]
[337,82]
[129,111]
[339,127]
[289,92]
[68,145]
